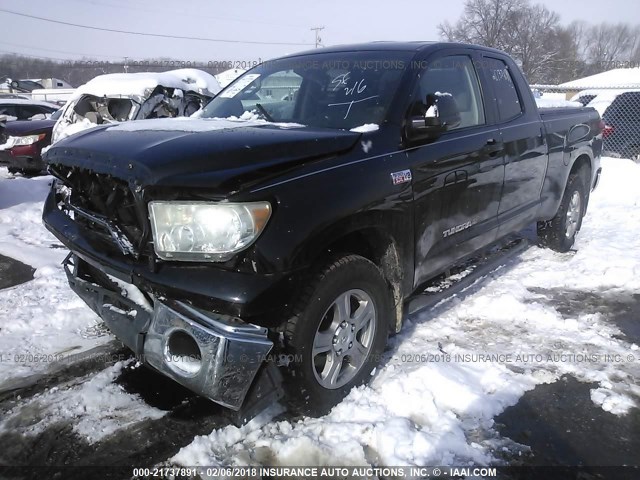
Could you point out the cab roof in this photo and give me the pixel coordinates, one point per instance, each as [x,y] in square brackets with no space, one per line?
[382,46]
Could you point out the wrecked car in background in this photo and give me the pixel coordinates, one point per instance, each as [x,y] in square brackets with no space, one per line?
[120,97]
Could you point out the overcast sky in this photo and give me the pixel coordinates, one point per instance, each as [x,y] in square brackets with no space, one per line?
[278,21]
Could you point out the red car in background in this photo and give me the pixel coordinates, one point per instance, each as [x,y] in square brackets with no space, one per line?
[21,144]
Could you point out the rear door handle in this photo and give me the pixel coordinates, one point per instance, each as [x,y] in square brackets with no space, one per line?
[493,147]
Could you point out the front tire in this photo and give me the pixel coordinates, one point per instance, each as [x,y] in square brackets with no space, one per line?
[337,333]
[560,232]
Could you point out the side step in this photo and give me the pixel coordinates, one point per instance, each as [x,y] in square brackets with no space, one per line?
[466,274]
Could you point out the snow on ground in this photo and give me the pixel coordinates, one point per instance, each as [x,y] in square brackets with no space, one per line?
[96,408]
[457,366]
[444,379]
[41,320]
[544,102]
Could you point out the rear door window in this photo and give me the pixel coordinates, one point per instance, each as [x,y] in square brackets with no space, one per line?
[501,79]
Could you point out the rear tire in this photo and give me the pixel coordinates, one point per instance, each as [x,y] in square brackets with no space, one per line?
[634,154]
[337,333]
[560,232]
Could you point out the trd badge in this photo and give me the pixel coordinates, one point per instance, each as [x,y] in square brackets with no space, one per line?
[401,177]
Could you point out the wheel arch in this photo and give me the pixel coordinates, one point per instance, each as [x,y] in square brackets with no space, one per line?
[376,244]
[584,164]
[582,161]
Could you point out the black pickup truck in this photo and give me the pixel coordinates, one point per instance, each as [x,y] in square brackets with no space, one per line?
[306,204]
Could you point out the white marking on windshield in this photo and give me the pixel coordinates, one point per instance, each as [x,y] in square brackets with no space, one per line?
[351,103]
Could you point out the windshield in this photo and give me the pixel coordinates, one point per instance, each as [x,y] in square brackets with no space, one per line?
[338,90]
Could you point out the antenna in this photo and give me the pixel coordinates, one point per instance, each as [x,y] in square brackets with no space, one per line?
[318,39]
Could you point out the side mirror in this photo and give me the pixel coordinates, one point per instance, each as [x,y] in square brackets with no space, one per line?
[437,115]
[426,128]
[424,123]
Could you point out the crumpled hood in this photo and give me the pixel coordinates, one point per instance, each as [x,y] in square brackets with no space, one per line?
[196,152]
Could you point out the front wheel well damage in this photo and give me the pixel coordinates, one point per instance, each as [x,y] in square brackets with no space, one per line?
[381,249]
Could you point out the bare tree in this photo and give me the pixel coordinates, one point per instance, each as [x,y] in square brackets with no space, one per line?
[570,64]
[533,34]
[610,45]
[547,51]
[635,55]
[579,33]
[484,22]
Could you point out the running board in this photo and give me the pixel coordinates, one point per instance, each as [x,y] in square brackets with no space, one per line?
[463,275]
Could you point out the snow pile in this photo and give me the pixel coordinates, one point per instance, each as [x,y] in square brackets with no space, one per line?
[618,77]
[544,102]
[367,127]
[68,129]
[96,409]
[130,84]
[454,368]
[42,320]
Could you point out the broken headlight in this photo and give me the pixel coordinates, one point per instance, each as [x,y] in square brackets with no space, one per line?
[204,231]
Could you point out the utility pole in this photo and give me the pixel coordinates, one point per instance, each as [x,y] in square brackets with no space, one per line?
[318,39]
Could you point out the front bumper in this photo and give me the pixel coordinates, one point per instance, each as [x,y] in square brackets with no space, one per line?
[220,358]
[15,158]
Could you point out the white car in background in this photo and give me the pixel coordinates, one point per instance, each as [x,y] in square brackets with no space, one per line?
[120,97]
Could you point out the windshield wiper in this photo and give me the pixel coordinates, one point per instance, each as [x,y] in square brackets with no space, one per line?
[267,116]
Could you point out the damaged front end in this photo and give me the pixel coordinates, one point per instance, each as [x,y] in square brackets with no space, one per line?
[211,355]
[215,355]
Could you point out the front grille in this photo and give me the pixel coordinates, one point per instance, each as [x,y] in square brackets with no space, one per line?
[107,208]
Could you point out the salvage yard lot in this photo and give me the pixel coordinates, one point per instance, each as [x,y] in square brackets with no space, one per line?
[543,319]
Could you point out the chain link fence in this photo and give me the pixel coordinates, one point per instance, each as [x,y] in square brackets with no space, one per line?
[619,108]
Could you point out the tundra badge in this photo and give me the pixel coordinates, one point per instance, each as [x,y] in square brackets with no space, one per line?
[458,228]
